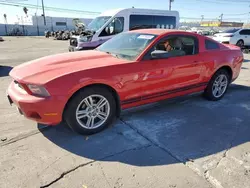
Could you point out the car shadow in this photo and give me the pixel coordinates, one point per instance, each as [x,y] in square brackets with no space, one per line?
[4,70]
[246,61]
[244,68]
[187,128]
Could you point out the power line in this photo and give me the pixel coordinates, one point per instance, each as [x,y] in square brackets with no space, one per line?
[223,2]
[237,14]
[49,8]
[217,19]
[11,1]
[235,1]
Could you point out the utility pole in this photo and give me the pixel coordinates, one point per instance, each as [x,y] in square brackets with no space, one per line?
[43,14]
[248,17]
[170,2]
[37,25]
[5,23]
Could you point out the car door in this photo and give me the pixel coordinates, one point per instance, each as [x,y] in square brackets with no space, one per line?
[172,74]
[245,36]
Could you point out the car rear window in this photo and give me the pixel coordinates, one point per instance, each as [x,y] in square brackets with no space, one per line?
[211,45]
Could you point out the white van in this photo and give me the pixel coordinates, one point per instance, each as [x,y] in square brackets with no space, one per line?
[112,22]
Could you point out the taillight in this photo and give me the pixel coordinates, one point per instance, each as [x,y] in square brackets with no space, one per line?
[229,35]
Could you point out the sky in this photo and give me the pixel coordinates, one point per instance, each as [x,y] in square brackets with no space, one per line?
[233,10]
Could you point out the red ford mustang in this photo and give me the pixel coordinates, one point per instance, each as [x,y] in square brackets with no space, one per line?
[88,89]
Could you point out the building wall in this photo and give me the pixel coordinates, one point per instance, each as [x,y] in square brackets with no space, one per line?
[222,24]
[57,23]
[27,30]
[37,27]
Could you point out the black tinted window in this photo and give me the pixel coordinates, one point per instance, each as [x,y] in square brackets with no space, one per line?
[245,32]
[164,22]
[140,22]
[149,21]
[210,45]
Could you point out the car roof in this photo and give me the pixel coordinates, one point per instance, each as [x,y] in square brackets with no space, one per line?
[159,31]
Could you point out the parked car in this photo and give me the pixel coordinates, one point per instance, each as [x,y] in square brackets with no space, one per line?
[203,32]
[88,89]
[238,37]
[112,22]
[213,31]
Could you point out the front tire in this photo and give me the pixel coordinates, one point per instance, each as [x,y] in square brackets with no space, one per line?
[240,44]
[90,110]
[217,86]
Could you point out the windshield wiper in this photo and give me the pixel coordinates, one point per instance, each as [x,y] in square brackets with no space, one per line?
[115,55]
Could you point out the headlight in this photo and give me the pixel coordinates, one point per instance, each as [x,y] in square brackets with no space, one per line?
[38,90]
[85,38]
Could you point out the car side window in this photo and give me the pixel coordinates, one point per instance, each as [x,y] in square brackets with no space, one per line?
[177,45]
[114,27]
[210,45]
[245,32]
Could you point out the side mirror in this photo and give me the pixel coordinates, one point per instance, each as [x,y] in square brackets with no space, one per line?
[159,54]
[109,30]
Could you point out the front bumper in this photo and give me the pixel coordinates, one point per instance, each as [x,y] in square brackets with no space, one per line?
[42,110]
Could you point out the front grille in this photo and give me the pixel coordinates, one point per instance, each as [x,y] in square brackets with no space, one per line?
[73,42]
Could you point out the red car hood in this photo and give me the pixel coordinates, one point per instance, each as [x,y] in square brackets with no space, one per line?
[44,69]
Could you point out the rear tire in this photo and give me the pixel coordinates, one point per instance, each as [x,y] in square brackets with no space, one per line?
[217,86]
[91,110]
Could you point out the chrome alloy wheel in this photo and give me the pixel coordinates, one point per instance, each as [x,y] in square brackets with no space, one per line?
[220,85]
[93,111]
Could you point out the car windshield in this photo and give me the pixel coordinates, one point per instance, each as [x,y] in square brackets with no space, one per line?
[230,31]
[98,22]
[127,45]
